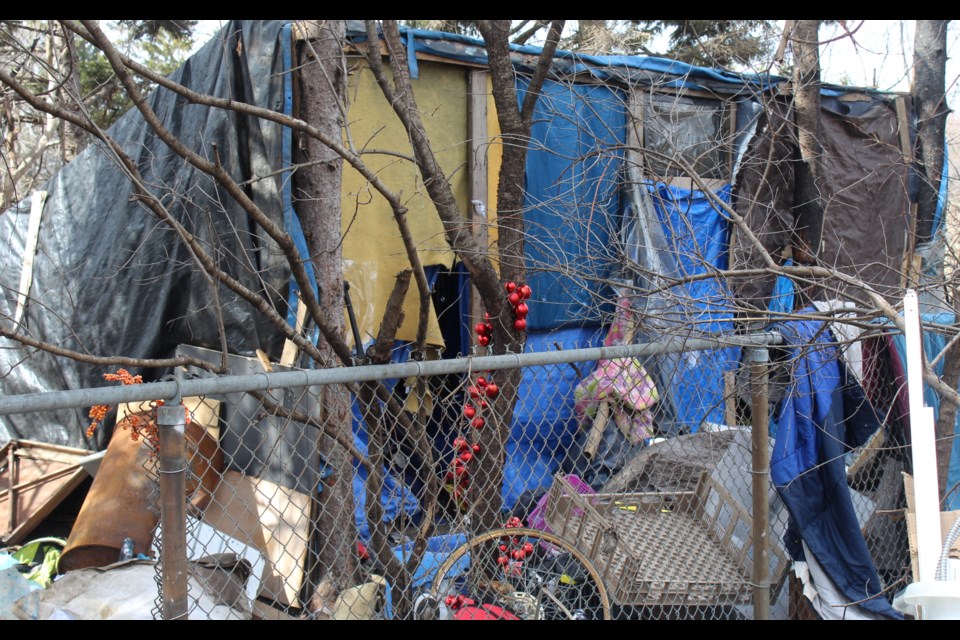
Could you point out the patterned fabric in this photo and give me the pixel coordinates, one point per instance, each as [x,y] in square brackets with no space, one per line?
[623,382]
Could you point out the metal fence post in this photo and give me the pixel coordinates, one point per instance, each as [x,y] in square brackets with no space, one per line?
[759,359]
[172,467]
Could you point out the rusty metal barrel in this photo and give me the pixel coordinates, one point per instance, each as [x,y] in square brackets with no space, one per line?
[122,501]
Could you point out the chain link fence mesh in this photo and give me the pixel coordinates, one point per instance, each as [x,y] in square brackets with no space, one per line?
[621,497]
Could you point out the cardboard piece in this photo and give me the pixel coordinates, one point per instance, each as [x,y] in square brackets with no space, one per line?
[947,518]
[274,520]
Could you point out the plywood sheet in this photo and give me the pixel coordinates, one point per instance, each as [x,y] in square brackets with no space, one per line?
[273,519]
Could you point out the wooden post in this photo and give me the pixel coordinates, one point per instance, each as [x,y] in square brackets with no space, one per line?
[906,148]
[480,210]
[172,467]
[730,398]
[14,480]
[759,359]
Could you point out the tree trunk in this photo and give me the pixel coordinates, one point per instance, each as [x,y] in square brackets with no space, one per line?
[515,126]
[593,37]
[929,78]
[317,200]
[807,197]
[485,495]
[929,82]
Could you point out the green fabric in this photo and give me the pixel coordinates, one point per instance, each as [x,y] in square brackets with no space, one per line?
[43,555]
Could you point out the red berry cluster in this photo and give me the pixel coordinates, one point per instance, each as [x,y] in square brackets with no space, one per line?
[484,331]
[458,601]
[459,474]
[484,389]
[512,552]
[516,294]
[478,394]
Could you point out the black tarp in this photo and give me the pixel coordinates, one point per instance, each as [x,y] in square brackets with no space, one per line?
[110,278]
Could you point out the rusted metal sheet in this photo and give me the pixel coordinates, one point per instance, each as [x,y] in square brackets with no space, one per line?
[123,500]
[35,477]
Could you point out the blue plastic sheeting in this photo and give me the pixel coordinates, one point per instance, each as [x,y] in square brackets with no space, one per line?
[698,238]
[687,76]
[942,193]
[572,202]
[473,50]
[544,424]
[438,549]
[933,344]
[824,414]
[781,301]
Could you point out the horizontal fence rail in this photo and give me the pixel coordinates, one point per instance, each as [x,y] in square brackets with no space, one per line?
[51,400]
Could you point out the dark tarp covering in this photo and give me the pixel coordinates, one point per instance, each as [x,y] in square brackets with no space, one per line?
[867,186]
[110,278]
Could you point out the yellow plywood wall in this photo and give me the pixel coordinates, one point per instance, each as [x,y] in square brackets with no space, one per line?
[372,249]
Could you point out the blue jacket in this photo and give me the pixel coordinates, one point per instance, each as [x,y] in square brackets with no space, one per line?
[824,414]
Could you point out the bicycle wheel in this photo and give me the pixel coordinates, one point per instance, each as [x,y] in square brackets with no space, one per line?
[519,573]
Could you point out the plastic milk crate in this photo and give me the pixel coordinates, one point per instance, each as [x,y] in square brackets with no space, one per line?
[669,549]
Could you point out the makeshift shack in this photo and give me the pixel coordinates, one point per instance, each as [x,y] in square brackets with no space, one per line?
[634,165]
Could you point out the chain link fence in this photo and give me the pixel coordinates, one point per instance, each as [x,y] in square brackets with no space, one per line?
[633,482]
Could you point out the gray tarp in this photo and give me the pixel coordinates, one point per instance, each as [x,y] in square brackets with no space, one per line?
[109,277]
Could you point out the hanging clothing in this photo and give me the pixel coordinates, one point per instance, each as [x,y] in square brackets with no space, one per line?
[824,414]
[850,335]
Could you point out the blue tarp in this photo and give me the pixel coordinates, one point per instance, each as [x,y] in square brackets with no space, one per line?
[698,240]
[667,73]
[933,344]
[395,497]
[473,50]
[782,299]
[544,425]
[572,202]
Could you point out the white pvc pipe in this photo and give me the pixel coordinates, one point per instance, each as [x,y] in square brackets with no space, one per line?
[925,486]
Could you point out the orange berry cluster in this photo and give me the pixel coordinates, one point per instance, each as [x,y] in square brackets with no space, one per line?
[122,375]
[99,412]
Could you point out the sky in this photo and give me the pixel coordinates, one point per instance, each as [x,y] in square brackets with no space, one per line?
[879,54]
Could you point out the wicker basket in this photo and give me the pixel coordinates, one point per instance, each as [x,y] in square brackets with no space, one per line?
[685,548]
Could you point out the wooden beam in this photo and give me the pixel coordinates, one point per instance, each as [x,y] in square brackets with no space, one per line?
[14,480]
[477,167]
[903,126]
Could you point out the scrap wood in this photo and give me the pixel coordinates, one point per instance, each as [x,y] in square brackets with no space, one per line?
[273,519]
[673,464]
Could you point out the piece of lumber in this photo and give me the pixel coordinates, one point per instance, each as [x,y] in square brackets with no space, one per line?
[273,519]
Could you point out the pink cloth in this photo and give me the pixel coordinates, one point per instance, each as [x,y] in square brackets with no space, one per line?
[623,382]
